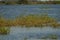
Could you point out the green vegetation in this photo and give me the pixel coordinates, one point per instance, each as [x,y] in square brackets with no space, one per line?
[25,38]
[56,2]
[4,30]
[31,20]
[53,36]
[29,2]
[22,2]
[3,26]
[37,21]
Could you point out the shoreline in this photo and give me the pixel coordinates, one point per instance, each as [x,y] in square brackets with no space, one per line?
[29,3]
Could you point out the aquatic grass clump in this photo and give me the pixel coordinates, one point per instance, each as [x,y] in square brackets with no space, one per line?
[31,20]
[38,21]
[2,21]
[4,30]
[52,36]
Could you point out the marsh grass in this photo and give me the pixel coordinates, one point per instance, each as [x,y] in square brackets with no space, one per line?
[30,20]
[4,30]
[38,21]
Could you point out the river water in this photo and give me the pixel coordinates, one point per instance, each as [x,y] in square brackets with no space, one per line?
[11,11]
[18,33]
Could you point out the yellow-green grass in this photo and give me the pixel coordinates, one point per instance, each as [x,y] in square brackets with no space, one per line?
[30,20]
[4,30]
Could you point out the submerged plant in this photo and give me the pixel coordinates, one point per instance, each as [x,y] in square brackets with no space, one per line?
[53,36]
[25,38]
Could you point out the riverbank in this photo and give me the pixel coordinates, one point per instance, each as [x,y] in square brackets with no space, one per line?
[33,2]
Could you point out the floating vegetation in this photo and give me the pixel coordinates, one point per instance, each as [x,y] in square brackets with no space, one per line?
[4,30]
[31,20]
[25,38]
[53,36]
[38,21]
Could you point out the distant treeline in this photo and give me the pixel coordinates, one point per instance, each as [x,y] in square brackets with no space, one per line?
[28,2]
[30,20]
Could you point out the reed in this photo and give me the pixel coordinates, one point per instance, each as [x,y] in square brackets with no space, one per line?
[38,21]
[31,20]
[4,30]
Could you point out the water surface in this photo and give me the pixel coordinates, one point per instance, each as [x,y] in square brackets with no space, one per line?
[11,11]
[18,33]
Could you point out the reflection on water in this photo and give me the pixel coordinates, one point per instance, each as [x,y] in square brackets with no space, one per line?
[18,33]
